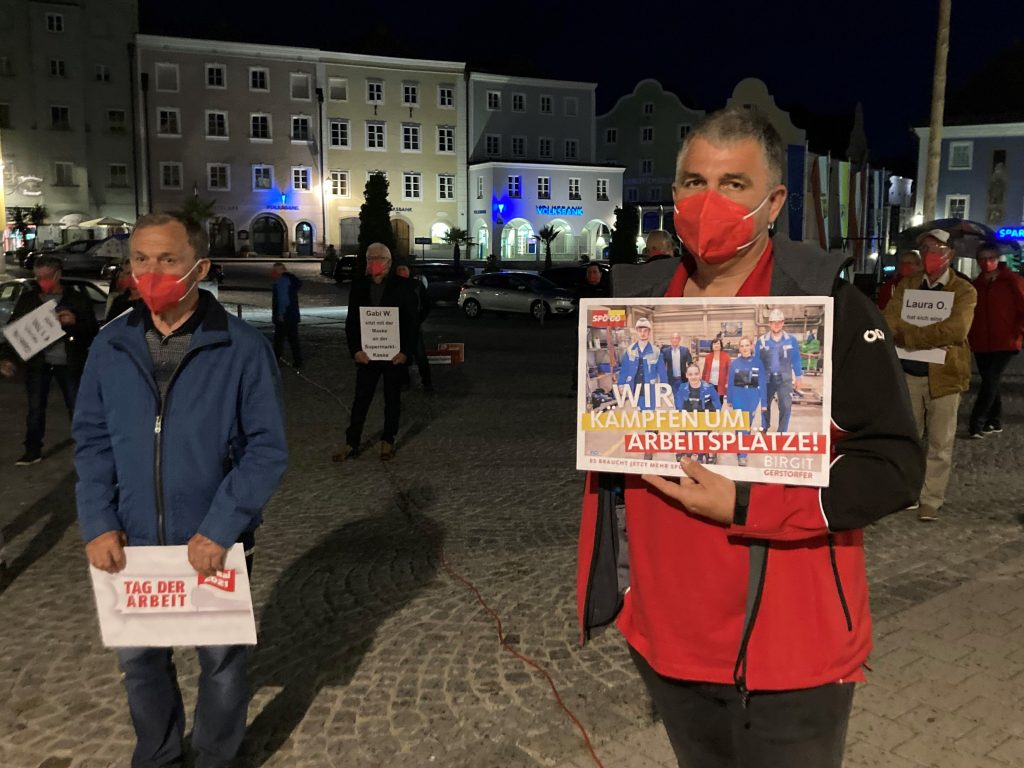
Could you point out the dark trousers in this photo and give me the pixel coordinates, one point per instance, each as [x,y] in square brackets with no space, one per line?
[289,329]
[37,382]
[988,407]
[709,727]
[367,377]
[154,701]
[422,363]
[782,389]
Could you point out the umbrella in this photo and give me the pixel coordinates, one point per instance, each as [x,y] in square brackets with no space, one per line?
[965,238]
[106,221]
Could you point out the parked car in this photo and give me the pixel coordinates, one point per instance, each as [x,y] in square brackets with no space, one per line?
[87,256]
[341,268]
[573,277]
[442,279]
[10,290]
[216,274]
[511,291]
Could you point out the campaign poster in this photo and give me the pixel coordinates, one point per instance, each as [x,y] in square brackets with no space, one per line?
[158,600]
[35,331]
[741,385]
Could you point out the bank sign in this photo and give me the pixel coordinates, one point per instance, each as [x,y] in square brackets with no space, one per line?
[559,210]
[1013,233]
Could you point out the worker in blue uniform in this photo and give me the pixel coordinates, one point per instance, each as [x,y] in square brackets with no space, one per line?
[641,364]
[746,386]
[779,353]
[695,394]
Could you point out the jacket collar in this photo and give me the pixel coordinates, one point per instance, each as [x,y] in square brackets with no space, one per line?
[131,335]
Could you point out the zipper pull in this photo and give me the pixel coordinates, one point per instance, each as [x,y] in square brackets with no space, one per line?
[157,429]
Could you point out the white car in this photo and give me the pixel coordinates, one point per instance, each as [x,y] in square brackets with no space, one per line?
[510,291]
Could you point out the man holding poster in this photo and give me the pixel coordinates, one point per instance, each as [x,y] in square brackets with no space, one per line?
[745,604]
[179,441]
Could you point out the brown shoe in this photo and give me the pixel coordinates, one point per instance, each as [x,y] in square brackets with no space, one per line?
[387,451]
[348,452]
[927,513]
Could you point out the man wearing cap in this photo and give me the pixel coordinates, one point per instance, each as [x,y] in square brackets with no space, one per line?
[780,355]
[643,364]
[935,387]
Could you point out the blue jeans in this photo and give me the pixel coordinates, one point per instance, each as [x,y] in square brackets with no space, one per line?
[37,382]
[782,389]
[158,715]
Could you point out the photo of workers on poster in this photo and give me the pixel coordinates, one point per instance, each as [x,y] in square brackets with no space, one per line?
[741,385]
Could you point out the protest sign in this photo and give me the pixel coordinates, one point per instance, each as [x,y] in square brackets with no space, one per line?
[34,332]
[379,329]
[756,407]
[158,600]
[923,308]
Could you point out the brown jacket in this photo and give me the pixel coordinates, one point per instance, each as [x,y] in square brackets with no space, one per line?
[951,334]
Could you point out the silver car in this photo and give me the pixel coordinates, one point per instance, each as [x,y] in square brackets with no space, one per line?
[510,291]
[10,290]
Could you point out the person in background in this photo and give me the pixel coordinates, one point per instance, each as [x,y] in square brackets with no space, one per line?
[592,287]
[62,361]
[659,245]
[995,335]
[909,264]
[285,302]
[425,305]
[746,387]
[780,356]
[716,367]
[122,290]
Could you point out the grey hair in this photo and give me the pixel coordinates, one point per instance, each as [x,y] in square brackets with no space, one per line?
[731,125]
[197,238]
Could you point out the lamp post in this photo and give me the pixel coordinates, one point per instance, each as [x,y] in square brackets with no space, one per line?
[323,183]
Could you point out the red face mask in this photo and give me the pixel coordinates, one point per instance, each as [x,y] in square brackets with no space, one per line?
[594,278]
[988,265]
[47,284]
[906,269]
[935,264]
[713,227]
[161,292]
[376,268]
[275,275]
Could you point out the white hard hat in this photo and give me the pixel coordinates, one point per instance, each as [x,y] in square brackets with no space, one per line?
[776,316]
[643,322]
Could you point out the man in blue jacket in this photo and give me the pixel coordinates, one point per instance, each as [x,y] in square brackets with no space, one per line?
[285,312]
[780,355]
[179,439]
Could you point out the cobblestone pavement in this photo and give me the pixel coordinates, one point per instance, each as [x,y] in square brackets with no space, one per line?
[371,654]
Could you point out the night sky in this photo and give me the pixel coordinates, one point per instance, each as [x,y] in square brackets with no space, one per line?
[818,57]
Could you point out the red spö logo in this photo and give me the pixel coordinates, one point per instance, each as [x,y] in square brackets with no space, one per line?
[223,580]
[607,318]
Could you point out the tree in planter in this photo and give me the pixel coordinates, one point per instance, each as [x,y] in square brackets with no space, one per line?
[627,228]
[547,236]
[375,219]
[38,216]
[456,237]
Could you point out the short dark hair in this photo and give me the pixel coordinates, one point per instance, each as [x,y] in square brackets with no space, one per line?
[989,245]
[48,262]
[729,125]
[279,264]
[197,238]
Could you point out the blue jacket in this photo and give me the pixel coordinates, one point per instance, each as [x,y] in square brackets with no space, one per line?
[707,398]
[285,298]
[788,351]
[211,461]
[654,371]
[747,383]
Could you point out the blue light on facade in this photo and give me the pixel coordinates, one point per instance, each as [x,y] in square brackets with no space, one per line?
[1016,233]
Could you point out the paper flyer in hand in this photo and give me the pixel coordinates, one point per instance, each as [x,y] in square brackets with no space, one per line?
[742,385]
[159,600]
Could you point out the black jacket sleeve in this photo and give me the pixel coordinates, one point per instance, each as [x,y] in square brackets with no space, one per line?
[880,465]
[408,319]
[353,333]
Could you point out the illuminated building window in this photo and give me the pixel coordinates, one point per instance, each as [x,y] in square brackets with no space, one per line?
[515,186]
[571,149]
[543,187]
[602,190]
[339,183]
[518,146]
[301,178]
[545,105]
[166,77]
[611,135]
[58,68]
[259,79]
[337,89]
[494,100]
[339,134]
[117,121]
[300,128]
[574,189]
[65,174]
[374,92]
[445,96]
[118,175]
[412,186]
[572,106]
[55,22]
[60,118]
[958,206]
[216,124]
[375,136]
[410,94]
[262,177]
[102,73]
[493,144]
[218,177]
[446,187]
[216,76]
[518,102]
[544,147]
[410,137]
[170,175]
[647,134]
[259,127]
[299,86]
[445,139]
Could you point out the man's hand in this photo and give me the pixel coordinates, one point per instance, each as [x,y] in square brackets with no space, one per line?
[361,357]
[702,492]
[206,556]
[66,317]
[7,369]
[399,359]
[798,382]
[106,551]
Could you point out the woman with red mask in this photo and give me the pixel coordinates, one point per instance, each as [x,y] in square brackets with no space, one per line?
[910,264]
[716,367]
[123,291]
